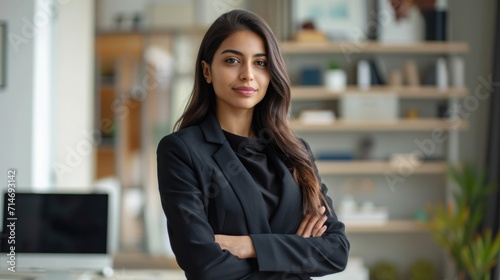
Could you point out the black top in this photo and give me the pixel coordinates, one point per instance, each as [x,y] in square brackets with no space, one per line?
[251,152]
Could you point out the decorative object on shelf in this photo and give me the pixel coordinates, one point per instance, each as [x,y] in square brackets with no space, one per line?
[363,75]
[411,73]
[430,76]
[131,22]
[137,21]
[457,72]
[442,110]
[375,74]
[404,30]
[384,270]
[365,148]
[317,116]
[3,51]
[311,76]
[435,21]
[441,73]
[423,270]
[348,204]
[411,113]
[457,227]
[335,77]
[308,33]
[421,215]
[118,21]
[341,20]
[396,78]
[343,156]
[410,160]
[350,213]
[369,106]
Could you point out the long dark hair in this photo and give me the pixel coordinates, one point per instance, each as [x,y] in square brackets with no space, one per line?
[270,114]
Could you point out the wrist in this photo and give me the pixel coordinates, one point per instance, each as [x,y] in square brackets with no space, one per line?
[249,248]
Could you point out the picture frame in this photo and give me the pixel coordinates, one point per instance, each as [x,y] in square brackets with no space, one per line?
[3,51]
[340,20]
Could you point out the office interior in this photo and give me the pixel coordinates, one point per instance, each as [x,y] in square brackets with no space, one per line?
[88,88]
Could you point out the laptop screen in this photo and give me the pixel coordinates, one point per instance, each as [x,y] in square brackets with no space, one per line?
[56,223]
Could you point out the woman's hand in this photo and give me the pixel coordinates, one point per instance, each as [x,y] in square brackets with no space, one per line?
[240,246]
[313,225]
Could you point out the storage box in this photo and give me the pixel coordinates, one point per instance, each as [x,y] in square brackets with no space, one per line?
[369,106]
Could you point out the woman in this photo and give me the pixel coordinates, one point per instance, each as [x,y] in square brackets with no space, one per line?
[241,193]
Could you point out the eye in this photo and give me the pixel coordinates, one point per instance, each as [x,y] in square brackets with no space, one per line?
[231,60]
[262,63]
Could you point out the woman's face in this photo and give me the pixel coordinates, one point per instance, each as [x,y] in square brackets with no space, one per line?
[238,72]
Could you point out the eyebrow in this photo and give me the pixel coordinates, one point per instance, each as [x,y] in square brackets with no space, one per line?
[240,53]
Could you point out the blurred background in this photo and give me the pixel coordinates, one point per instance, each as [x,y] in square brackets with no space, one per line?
[387,95]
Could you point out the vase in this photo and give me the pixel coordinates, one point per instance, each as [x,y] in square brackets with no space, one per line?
[335,80]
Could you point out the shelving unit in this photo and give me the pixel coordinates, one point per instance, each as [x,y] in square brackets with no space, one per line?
[374,167]
[430,181]
[423,92]
[395,226]
[374,47]
[397,125]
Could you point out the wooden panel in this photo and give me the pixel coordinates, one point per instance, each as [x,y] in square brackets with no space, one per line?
[423,92]
[375,47]
[105,165]
[397,125]
[389,227]
[134,123]
[375,167]
[111,47]
[107,96]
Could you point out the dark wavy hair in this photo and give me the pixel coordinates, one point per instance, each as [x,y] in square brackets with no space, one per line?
[270,114]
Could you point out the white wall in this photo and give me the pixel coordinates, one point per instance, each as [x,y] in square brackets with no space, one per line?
[16,99]
[74,150]
[47,106]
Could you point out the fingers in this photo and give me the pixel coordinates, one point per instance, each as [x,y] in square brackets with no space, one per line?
[303,225]
[313,225]
[320,225]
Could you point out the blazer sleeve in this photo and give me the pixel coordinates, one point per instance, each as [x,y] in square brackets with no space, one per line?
[315,256]
[191,236]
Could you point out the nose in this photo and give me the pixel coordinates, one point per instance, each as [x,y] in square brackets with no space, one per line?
[247,72]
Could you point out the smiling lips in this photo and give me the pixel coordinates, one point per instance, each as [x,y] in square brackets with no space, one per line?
[245,90]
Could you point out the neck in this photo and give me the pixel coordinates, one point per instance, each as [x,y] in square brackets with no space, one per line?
[237,122]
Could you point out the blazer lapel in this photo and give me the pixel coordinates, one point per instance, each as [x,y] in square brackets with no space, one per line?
[238,177]
[288,215]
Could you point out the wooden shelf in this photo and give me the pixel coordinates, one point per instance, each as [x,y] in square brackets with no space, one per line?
[397,125]
[375,47]
[374,167]
[424,92]
[396,226]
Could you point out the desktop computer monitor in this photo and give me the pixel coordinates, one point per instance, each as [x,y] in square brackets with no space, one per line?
[56,232]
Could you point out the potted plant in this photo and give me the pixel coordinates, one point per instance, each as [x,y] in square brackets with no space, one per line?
[456,227]
[384,270]
[335,77]
[423,270]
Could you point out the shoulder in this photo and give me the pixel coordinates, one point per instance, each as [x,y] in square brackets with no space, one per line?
[306,145]
[188,134]
[184,138]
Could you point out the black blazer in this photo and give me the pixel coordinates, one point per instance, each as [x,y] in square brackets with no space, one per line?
[205,190]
